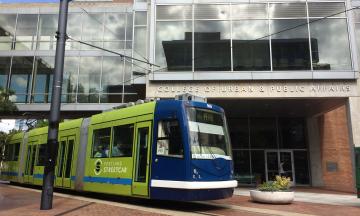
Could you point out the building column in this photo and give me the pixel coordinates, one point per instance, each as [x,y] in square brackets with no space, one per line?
[314,152]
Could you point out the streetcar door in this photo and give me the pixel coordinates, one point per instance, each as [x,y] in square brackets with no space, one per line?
[30,163]
[65,156]
[141,159]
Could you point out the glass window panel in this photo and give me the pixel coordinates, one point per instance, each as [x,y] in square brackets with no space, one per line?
[212,46]
[258,166]
[323,9]
[26,31]
[7,30]
[69,78]
[292,133]
[174,45]
[330,45]
[301,167]
[44,69]
[114,45]
[357,15]
[169,140]
[129,26]
[92,29]
[112,75]
[101,143]
[89,80]
[21,77]
[285,10]
[263,133]
[41,155]
[140,18]
[134,92]
[48,26]
[290,44]
[204,11]
[357,31]
[242,172]
[250,52]
[4,70]
[140,42]
[112,98]
[249,11]
[115,24]
[167,12]
[123,141]
[239,133]
[73,28]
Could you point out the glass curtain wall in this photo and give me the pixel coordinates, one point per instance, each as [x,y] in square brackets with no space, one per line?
[90,76]
[252,37]
[256,140]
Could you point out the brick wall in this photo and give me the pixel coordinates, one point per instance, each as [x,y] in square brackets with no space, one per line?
[335,151]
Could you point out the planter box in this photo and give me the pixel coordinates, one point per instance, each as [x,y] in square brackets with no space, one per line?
[274,197]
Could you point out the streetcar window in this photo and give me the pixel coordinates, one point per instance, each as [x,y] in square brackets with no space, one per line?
[9,152]
[101,143]
[123,141]
[41,155]
[169,139]
[16,151]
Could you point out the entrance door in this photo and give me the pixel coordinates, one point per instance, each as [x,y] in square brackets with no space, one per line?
[141,159]
[30,163]
[64,162]
[279,163]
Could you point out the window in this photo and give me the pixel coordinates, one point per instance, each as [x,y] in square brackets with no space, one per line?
[41,155]
[123,141]
[101,143]
[169,139]
[16,151]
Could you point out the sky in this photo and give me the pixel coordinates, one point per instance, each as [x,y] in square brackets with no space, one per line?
[7,124]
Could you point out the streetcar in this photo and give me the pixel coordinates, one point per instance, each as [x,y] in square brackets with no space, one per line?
[162,149]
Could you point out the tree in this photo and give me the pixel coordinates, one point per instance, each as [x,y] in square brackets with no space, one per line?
[6,105]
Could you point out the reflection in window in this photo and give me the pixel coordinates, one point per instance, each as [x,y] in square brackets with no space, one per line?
[41,155]
[47,30]
[174,45]
[44,69]
[292,135]
[4,70]
[290,48]
[330,45]
[73,30]
[112,75]
[89,80]
[101,143]
[212,46]
[248,52]
[69,79]
[169,141]
[26,28]
[123,141]
[114,35]
[92,30]
[21,77]
[7,30]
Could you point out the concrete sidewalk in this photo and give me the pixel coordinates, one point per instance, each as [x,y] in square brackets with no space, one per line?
[318,196]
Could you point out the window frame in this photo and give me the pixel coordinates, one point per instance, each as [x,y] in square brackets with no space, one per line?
[182,156]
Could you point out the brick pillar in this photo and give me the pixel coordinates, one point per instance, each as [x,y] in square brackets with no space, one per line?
[335,151]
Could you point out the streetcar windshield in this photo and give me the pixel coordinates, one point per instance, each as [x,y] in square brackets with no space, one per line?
[208,134]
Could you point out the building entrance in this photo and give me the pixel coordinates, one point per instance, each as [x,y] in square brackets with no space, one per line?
[279,162]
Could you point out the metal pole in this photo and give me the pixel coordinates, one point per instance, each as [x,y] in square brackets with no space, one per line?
[54,117]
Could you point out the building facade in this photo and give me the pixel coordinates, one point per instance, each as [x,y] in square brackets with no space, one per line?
[286,72]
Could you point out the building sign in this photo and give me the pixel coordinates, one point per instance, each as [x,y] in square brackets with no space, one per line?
[255,89]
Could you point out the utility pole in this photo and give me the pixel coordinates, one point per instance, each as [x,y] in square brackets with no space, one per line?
[54,117]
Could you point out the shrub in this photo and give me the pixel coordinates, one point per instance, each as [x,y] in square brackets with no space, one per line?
[280,184]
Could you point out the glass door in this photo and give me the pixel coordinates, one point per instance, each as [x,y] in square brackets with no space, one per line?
[65,156]
[279,163]
[141,159]
[30,163]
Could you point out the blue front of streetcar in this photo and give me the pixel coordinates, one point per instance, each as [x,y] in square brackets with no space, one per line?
[191,154]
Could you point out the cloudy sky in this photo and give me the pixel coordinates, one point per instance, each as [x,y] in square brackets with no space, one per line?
[7,124]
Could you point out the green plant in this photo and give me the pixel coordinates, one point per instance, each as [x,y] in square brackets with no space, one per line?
[280,184]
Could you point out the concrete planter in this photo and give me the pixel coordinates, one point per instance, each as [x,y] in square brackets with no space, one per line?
[274,197]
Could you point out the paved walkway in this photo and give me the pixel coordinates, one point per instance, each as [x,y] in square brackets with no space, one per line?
[21,201]
[317,196]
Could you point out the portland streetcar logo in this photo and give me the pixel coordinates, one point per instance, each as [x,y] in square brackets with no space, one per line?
[97,169]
